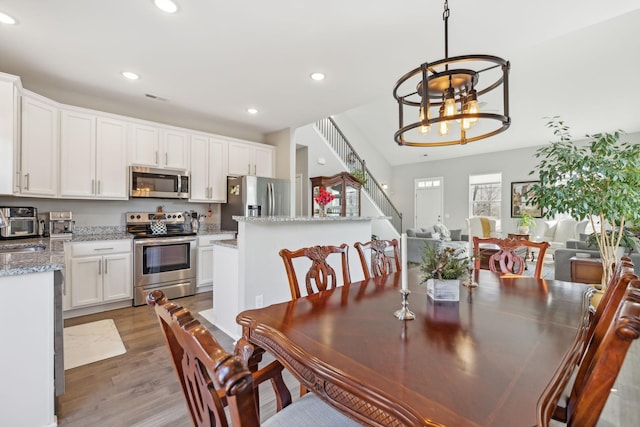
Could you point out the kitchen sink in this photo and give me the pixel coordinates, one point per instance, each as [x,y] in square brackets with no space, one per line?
[22,249]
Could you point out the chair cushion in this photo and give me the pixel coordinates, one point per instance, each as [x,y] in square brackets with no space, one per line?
[565,230]
[308,411]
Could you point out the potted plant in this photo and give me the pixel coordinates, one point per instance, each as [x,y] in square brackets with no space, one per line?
[525,223]
[360,176]
[442,268]
[599,181]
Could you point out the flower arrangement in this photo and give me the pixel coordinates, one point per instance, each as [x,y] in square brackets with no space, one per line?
[444,263]
[324,197]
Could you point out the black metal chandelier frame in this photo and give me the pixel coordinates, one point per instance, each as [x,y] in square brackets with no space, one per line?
[428,85]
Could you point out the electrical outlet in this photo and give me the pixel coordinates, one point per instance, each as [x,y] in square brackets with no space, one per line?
[259,302]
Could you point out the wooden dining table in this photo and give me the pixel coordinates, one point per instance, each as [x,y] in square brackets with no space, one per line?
[482,361]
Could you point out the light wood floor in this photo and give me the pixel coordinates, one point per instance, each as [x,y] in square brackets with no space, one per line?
[139,388]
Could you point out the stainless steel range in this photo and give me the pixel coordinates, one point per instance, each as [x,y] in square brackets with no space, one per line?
[164,254]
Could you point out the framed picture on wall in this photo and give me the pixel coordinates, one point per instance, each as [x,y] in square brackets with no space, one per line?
[520,200]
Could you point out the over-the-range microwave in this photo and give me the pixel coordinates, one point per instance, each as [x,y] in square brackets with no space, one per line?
[159,183]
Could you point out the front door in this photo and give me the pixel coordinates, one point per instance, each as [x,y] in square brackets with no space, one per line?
[429,202]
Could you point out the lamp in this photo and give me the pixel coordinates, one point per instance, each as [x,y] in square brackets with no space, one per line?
[452,87]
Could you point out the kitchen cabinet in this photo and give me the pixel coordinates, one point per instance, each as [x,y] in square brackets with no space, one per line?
[159,147]
[9,134]
[251,159]
[204,277]
[39,147]
[208,169]
[99,272]
[93,156]
[346,191]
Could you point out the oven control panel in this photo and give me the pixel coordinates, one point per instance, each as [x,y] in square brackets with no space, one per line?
[148,217]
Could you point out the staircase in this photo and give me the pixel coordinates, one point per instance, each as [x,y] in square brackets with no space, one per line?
[356,166]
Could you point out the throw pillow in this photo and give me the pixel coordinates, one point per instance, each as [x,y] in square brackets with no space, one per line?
[410,232]
[426,235]
[443,230]
[456,234]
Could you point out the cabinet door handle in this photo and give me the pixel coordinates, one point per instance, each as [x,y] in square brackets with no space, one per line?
[93,186]
[249,168]
[166,159]
[99,268]
[19,179]
[255,170]
[157,161]
[106,265]
[26,180]
[98,192]
[210,192]
[103,249]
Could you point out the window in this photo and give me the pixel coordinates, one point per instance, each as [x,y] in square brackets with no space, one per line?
[485,195]
[428,183]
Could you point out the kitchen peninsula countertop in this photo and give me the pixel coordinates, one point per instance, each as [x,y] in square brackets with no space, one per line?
[280,219]
[51,258]
[231,243]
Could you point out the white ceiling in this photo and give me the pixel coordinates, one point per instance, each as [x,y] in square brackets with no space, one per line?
[213,59]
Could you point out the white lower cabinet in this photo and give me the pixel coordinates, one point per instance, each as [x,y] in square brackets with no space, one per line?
[98,273]
[204,277]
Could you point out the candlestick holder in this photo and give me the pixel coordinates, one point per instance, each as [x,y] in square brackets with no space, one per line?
[469,283]
[404,313]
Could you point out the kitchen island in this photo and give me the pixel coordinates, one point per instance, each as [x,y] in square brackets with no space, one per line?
[30,319]
[251,274]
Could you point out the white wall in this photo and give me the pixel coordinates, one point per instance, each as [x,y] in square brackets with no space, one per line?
[109,212]
[514,165]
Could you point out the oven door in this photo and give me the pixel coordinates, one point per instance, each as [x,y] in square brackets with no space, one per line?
[163,260]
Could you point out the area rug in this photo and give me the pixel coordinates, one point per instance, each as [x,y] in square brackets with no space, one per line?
[91,342]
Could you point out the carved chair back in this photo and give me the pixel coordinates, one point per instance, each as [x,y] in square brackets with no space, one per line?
[211,378]
[507,258]
[381,263]
[321,275]
[599,359]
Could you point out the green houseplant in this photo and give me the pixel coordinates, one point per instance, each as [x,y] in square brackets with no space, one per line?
[525,223]
[360,176]
[598,181]
[441,269]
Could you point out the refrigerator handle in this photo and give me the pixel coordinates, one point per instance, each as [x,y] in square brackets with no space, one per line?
[273,199]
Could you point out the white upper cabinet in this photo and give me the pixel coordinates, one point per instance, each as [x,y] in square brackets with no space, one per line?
[39,148]
[251,159]
[9,127]
[93,156]
[158,147]
[208,169]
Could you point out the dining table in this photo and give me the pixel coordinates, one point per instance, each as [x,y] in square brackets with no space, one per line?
[481,361]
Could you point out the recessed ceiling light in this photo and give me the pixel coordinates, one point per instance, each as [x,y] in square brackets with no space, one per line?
[6,19]
[130,75]
[166,6]
[317,76]
[252,110]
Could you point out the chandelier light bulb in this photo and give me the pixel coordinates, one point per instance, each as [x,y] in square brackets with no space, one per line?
[450,108]
[443,128]
[471,106]
[422,128]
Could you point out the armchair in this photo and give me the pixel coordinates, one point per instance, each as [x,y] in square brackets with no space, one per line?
[483,227]
[557,233]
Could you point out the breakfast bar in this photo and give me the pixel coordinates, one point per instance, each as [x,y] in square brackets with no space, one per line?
[252,274]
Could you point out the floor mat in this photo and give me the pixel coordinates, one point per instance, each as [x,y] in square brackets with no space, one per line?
[91,342]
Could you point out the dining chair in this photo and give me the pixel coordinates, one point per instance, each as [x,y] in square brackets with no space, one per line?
[320,275]
[598,365]
[382,263]
[219,388]
[507,255]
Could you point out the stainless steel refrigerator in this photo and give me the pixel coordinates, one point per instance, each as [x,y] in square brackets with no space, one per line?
[254,196]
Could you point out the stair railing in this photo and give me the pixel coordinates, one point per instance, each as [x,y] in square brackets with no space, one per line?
[357,166]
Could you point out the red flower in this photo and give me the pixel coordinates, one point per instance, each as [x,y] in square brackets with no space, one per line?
[324,197]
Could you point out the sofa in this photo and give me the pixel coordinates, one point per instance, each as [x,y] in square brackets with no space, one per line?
[418,238]
[558,232]
[563,256]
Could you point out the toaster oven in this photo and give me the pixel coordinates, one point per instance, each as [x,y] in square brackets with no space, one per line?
[22,222]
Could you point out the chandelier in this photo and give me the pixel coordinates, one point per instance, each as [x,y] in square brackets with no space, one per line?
[445,94]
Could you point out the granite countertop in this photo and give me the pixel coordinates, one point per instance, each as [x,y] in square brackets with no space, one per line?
[51,258]
[231,243]
[210,231]
[280,219]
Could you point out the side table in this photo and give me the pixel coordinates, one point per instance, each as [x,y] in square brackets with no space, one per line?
[518,236]
[586,270]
